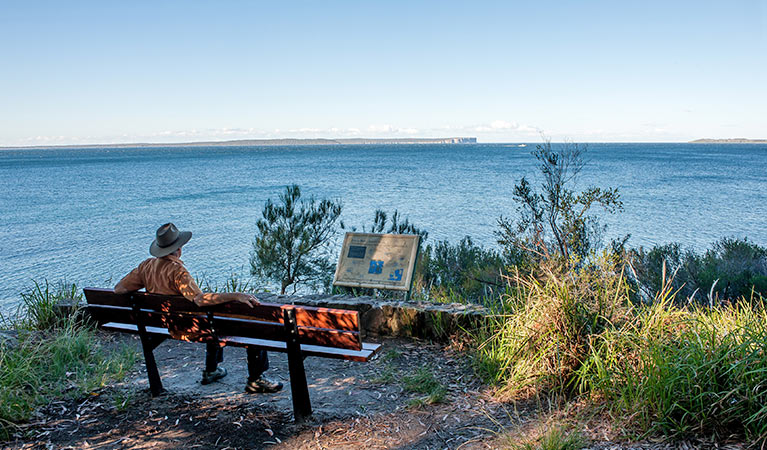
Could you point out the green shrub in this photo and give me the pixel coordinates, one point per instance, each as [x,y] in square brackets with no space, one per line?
[731,269]
[393,224]
[739,266]
[463,271]
[653,267]
[235,282]
[556,222]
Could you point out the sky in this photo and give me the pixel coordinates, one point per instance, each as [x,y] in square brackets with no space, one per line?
[89,72]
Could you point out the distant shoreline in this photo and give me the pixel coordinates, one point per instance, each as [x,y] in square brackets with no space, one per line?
[263,142]
[334,142]
[729,141]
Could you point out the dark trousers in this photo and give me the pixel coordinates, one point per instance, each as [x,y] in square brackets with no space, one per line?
[258,362]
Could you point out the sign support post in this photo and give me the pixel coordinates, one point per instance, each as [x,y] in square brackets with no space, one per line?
[415,263]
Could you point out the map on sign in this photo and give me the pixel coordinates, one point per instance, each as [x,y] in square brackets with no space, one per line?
[380,261]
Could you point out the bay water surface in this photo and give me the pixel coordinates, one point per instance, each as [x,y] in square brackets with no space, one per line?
[89,215]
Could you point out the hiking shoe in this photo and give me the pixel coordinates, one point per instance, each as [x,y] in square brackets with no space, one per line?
[209,377]
[262,385]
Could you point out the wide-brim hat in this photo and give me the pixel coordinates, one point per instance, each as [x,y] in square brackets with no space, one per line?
[168,240]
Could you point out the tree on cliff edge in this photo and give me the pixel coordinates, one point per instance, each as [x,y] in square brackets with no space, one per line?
[555,222]
[291,246]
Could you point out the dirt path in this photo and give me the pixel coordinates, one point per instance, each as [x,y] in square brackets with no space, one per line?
[356,406]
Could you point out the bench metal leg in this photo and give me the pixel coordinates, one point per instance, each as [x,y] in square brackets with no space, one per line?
[302,407]
[148,344]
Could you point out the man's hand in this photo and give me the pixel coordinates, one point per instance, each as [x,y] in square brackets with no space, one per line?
[248,299]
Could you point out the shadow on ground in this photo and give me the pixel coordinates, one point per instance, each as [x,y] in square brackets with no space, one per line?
[356,405]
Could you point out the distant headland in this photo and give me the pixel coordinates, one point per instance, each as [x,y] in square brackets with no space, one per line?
[729,141]
[269,142]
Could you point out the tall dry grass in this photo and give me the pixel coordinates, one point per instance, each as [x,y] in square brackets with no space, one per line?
[656,368]
[541,329]
[692,370]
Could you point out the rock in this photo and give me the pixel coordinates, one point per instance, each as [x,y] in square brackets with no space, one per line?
[384,317]
[70,307]
[9,338]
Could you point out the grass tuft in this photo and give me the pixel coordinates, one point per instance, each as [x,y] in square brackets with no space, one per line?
[122,400]
[423,381]
[53,356]
[38,307]
[555,438]
[387,376]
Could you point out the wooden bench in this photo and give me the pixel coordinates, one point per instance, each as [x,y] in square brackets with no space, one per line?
[299,331]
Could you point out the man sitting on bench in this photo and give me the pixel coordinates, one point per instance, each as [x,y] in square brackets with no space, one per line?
[165,274]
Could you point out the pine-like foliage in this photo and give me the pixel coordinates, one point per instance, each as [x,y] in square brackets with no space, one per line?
[291,246]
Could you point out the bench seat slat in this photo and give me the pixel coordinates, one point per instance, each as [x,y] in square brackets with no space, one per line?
[106,297]
[306,316]
[230,326]
[103,314]
[184,326]
[367,352]
[368,349]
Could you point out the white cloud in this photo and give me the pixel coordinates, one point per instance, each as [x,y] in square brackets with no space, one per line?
[497,128]
[305,130]
[389,130]
[386,128]
[503,125]
[44,139]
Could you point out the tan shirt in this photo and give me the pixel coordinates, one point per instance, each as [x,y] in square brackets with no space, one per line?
[166,276]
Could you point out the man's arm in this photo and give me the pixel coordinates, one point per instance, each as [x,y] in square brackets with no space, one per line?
[120,289]
[188,288]
[129,283]
[216,298]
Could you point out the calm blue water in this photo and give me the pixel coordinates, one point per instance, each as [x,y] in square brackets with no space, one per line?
[89,215]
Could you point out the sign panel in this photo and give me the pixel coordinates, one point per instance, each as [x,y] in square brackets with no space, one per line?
[380,261]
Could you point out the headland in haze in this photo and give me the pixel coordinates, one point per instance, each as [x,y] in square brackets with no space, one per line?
[267,142]
[729,141]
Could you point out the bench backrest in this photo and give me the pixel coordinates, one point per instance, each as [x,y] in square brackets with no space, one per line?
[185,320]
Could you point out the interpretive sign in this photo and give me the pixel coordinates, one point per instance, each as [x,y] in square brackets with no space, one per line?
[379,261]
